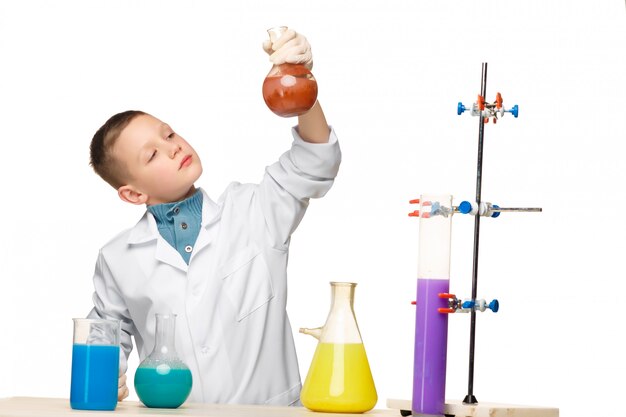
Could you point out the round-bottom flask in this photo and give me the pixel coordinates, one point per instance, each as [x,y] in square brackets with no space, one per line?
[162,380]
[288,89]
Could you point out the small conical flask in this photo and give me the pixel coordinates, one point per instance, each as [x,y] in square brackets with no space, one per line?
[162,380]
[288,89]
[339,378]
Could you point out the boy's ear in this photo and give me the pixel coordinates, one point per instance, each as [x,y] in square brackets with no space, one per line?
[130,195]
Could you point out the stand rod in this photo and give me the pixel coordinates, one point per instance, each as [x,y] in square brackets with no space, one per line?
[470,398]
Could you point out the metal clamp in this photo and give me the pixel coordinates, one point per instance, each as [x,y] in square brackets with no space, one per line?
[455,305]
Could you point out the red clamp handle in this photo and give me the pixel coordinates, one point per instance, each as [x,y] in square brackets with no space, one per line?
[498,101]
[448,296]
[481,102]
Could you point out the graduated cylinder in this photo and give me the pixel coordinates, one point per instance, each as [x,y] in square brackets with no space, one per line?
[431,326]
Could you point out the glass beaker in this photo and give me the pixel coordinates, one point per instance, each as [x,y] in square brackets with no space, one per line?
[288,89]
[162,380]
[95,364]
[339,378]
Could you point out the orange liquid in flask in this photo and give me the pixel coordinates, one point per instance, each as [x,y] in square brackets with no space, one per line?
[290,90]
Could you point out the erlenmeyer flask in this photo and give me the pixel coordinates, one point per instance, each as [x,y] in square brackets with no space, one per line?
[339,378]
[288,89]
[162,380]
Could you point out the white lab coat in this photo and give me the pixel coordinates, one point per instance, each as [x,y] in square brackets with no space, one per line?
[232,328]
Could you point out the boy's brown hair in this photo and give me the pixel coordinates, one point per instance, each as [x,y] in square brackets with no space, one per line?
[101,155]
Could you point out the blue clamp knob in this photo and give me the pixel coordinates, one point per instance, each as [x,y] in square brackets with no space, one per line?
[460,108]
[468,304]
[514,111]
[495,213]
[465,207]
[494,306]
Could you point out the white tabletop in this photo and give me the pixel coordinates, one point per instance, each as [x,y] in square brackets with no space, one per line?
[60,407]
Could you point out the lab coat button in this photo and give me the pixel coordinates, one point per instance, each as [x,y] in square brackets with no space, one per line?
[205,350]
[188,248]
[183,225]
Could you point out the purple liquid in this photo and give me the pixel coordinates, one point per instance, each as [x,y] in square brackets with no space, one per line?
[431,344]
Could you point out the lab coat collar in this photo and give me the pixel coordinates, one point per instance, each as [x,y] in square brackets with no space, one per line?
[211,211]
[146,230]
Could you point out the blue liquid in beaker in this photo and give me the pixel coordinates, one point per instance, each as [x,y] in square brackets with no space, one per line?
[162,386]
[95,370]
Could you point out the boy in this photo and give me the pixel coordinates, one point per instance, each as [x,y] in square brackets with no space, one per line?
[220,266]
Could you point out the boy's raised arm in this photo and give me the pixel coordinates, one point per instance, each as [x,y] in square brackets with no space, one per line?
[312,125]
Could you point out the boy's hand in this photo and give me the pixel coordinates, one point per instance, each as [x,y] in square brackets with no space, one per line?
[122,389]
[291,47]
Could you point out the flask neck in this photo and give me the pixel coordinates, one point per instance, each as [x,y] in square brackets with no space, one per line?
[342,294]
[341,325]
[164,335]
[276,32]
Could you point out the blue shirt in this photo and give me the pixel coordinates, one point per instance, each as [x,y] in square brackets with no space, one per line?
[179,223]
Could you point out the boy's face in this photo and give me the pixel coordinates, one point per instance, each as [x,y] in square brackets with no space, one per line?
[163,167]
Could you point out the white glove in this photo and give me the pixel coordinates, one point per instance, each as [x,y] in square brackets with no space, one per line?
[290,47]
[122,389]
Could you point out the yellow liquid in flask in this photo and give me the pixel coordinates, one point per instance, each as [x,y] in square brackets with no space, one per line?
[339,380]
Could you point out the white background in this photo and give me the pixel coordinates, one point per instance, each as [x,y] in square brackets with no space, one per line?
[390,75]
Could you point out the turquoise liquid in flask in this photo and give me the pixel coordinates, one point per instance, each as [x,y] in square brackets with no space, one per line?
[162,380]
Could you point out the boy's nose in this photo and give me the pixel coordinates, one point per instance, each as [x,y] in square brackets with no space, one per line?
[174,149]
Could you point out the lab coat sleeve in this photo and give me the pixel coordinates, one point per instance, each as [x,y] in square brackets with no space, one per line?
[307,170]
[109,304]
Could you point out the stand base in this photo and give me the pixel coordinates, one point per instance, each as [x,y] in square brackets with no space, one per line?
[458,409]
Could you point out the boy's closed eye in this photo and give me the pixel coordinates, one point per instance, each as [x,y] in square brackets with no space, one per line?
[154,153]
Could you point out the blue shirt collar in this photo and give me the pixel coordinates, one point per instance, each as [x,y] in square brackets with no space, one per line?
[164,213]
